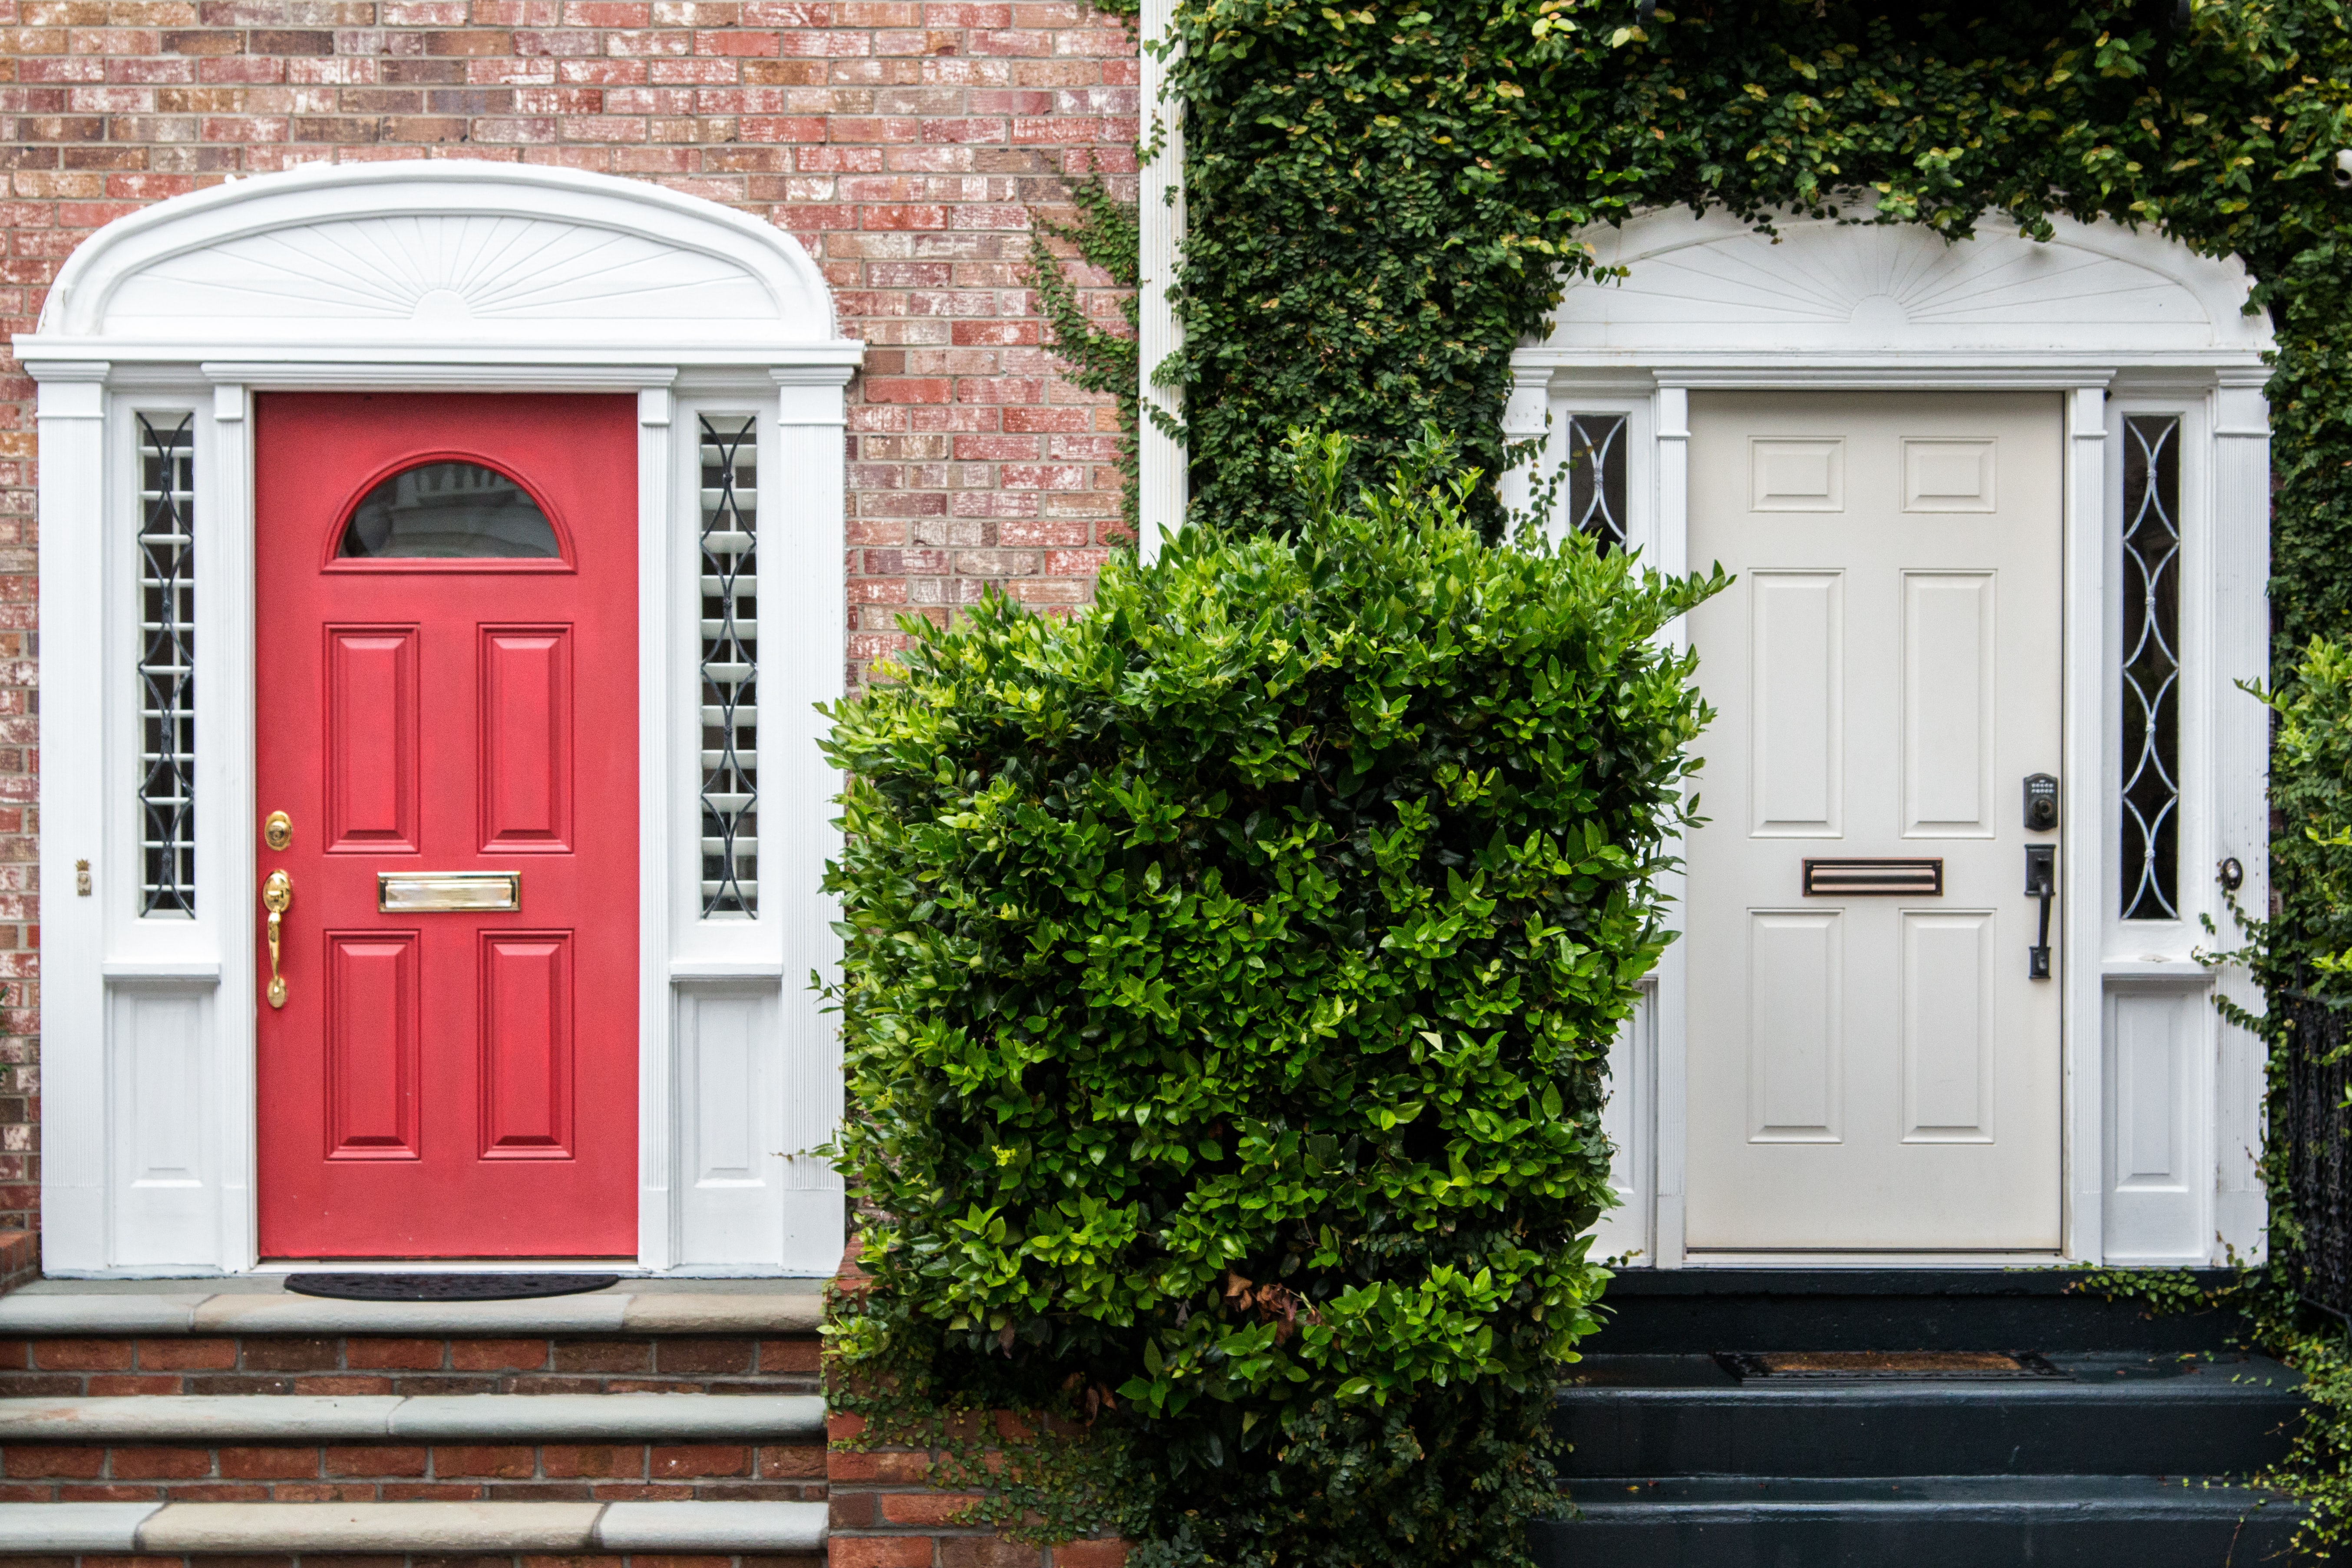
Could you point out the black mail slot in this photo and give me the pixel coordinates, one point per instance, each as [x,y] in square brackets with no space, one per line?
[1873,879]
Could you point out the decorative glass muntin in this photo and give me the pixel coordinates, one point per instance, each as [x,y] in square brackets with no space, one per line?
[730,667]
[2150,663]
[167,652]
[1596,477]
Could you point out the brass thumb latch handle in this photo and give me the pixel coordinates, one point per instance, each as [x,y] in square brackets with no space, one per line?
[277,893]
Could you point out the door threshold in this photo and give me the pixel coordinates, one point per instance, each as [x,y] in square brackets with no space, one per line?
[1879,1261]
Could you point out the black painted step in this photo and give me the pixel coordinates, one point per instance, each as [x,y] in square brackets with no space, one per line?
[1648,1417]
[1695,1311]
[2048,1521]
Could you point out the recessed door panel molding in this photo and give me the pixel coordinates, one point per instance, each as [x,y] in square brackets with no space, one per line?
[2156,1041]
[1949,1024]
[1947,476]
[1798,475]
[1798,660]
[371,756]
[1796,1070]
[159,1069]
[526,745]
[731,1113]
[526,1068]
[1950,750]
[374,1045]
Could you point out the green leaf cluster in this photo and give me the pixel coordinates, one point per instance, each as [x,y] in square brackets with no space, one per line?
[1230,971]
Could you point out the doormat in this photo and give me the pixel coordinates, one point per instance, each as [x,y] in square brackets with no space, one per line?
[444,1287]
[1859,1366]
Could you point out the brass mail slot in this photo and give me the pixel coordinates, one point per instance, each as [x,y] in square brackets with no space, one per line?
[1873,879]
[410,892]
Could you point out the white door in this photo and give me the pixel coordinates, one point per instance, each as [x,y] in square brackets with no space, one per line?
[1870,1068]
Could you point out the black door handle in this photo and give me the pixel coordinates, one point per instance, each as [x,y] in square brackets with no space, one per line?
[2041,882]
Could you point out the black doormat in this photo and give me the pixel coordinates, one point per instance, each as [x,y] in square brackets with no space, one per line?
[1870,1366]
[444,1287]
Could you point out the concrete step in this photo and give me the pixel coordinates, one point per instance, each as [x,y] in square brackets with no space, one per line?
[167,1529]
[461,1418]
[2050,1521]
[214,1308]
[2114,1415]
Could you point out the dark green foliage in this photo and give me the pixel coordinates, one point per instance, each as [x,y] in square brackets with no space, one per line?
[1104,234]
[1383,200]
[1230,976]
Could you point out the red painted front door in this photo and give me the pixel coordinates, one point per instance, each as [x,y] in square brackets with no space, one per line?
[445,676]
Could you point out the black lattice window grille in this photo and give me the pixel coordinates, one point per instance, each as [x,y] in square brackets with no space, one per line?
[730,644]
[167,653]
[2150,659]
[1596,477]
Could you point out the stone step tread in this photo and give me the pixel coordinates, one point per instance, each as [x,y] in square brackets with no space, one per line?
[454,1417]
[164,1529]
[618,1310]
[2123,1380]
[1948,1496]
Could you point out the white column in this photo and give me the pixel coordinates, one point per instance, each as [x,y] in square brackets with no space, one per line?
[1164,489]
[810,622]
[1672,1077]
[225,758]
[2241,554]
[2087,819]
[1526,417]
[656,1145]
[70,414]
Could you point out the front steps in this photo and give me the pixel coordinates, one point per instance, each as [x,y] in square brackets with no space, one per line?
[659,1420]
[2128,1460]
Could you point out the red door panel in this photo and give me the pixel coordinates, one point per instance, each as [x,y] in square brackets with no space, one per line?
[449,1083]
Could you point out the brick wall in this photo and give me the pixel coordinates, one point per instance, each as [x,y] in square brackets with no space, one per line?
[887,1514]
[904,142]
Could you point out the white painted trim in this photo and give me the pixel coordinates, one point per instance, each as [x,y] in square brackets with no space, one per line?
[94,371]
[2203,356]
[1164,485]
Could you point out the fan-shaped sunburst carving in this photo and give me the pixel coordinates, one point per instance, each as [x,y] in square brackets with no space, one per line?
[443,269]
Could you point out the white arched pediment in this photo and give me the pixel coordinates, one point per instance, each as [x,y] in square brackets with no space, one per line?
[400,258]
[1714,285]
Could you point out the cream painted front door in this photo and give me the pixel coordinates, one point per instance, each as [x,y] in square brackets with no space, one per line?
[1873,1070]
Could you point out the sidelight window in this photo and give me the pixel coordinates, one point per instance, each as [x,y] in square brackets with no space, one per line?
[167,634]
[1596,477]
[729,666]
[2151,668]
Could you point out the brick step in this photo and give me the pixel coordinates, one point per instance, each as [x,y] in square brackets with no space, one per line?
[247,1448]
[61,1338]
[199,1529]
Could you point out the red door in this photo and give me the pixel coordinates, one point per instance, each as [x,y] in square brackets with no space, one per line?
[447,694]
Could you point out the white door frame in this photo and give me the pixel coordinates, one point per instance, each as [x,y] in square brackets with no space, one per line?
[442,275]
[2163,1103]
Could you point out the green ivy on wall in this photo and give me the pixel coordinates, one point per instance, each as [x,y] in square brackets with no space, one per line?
[1384,199]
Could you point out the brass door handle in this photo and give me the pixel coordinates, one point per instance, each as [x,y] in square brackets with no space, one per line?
[277,893]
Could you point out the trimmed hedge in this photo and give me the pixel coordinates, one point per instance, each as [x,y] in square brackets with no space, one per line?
[1230,974]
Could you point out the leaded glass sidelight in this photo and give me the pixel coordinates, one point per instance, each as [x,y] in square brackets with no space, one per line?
[167,651]
[730,641]
[1596,477]
[2151,668]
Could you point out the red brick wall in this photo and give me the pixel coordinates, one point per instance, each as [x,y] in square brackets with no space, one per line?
[904,142]
[887,1514]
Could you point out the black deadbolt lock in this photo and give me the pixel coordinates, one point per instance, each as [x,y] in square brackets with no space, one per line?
[2040,802]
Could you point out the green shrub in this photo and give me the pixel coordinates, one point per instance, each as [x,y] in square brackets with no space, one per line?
[1229,974]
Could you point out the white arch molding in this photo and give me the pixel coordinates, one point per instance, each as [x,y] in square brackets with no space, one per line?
[455,276]
[2163,1104]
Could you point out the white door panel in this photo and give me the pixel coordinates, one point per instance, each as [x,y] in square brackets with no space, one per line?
[1873,1072]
